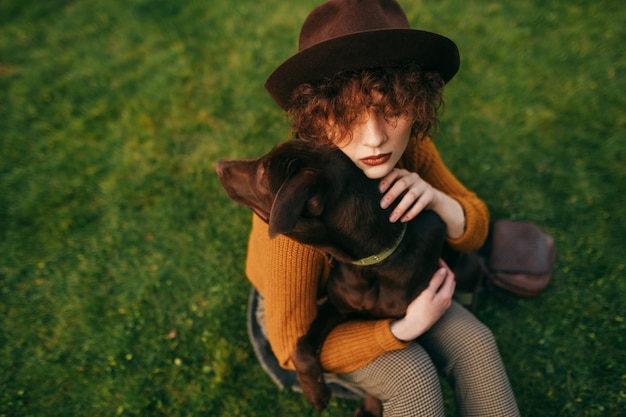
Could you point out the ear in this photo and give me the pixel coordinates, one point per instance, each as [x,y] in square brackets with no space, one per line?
[294,196]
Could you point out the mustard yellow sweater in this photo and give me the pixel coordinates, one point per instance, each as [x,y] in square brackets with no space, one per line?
[291,276]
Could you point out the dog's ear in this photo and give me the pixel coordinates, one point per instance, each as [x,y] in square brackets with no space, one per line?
[297,194]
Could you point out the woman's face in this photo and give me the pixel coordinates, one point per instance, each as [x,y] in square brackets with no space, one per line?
[376,144]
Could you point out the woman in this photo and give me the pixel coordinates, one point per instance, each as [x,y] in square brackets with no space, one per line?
[365,82]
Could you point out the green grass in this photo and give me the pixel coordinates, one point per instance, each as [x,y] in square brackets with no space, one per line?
[122,287]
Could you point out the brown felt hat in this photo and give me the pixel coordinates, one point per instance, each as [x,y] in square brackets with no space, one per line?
[343,35]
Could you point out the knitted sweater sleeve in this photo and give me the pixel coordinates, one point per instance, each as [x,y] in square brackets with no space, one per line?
[290,276]
[422,157]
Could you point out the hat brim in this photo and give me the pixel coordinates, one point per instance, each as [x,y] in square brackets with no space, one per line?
[378,48]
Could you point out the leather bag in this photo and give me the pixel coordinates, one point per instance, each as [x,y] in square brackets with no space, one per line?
[519,257]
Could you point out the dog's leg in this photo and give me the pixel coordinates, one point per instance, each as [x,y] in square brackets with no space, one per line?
[370,407]
[311,375]
[306,356]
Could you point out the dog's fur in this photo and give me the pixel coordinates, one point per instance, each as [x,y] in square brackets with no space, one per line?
[317,196]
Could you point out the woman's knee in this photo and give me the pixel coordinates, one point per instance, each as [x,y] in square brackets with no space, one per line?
[416,391]
[475,356]
[399,376]
[459,338]
[413,378]
[480,338]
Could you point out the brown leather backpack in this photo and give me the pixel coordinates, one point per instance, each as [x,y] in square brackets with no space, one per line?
[520,259]
[517,257]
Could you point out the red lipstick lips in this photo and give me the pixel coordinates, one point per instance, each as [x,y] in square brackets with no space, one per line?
[374,160]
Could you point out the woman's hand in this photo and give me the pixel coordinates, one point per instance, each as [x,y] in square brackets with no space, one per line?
[427,307]
[419,195]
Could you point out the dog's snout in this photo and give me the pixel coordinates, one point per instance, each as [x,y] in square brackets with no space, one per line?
[219,168]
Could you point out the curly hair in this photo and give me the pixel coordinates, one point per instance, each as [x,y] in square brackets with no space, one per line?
[334,105]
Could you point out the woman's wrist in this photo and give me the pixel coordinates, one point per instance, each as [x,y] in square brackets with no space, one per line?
[397,329]
[403,331]
[451,212]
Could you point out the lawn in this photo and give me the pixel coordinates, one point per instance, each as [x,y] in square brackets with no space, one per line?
[122,286]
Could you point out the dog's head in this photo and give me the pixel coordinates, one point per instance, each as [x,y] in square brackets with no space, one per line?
[300,189]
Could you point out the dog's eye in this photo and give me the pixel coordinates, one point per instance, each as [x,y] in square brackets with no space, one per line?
[314,206]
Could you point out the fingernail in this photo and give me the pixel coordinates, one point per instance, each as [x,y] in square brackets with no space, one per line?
[442,271]
[393,218]
[384,203]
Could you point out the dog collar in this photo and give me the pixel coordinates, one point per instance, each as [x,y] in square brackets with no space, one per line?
[379,257]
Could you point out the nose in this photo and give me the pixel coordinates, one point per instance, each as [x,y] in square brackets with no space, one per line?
[372,132]
[219,168]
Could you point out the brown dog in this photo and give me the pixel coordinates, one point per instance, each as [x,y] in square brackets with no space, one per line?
[317,196]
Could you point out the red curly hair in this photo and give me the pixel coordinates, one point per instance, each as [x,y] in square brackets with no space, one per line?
[334,105]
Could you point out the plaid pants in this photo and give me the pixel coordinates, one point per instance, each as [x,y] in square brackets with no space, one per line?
[407,382]
[461,347]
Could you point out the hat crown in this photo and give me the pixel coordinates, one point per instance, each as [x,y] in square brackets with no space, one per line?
[348,35]
[337,18]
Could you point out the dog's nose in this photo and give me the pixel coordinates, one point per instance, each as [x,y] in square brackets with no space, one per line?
[219,168]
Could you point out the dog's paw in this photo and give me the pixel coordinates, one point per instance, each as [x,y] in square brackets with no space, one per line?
[370,407]
[311,375]
[318,395]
